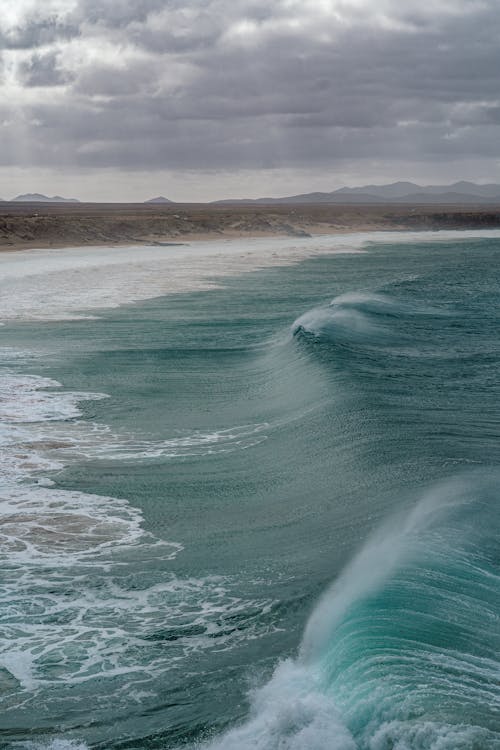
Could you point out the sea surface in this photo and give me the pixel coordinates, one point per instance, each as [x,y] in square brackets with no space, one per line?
[259,513]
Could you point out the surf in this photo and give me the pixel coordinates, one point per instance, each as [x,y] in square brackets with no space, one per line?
[402,651]
[366,319]
[184,477]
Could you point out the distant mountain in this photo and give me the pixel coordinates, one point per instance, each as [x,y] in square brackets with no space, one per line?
[159,199]
[467,188]
[39,198]
[449,197]
[396,192]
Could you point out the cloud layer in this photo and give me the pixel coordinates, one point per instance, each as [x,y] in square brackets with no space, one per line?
[327,85]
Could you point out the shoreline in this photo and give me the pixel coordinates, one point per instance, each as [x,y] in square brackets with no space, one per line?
[189,238]
[58,226]
[47,285]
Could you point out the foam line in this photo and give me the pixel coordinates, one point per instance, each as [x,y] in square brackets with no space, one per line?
[71,283]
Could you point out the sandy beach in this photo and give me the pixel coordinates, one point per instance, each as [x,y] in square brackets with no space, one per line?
[42,225]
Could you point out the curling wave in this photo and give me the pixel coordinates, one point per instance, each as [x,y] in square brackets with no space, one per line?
[402,652]
[372,319]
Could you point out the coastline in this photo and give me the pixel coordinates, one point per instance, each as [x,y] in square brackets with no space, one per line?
[95,277]
[174,241]
[91,278]
[46,226]
[197,237]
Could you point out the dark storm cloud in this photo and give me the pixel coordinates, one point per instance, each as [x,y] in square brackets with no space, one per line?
[157,84]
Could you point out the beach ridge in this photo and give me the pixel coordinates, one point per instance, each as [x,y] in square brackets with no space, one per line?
[25,226]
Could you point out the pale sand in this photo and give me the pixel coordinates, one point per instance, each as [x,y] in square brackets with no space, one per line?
[53,284]
[194,237]
[24,226]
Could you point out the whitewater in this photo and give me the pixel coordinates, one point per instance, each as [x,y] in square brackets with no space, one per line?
[249,495]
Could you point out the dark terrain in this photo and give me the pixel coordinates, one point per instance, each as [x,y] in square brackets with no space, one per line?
[29,225]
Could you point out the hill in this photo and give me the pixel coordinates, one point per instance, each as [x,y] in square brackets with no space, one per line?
[396,192]
[159,199]
[39,198]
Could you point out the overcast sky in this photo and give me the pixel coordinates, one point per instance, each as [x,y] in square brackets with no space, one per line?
[127,99]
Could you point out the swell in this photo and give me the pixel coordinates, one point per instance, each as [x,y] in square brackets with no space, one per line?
[362,678]
[92,607]
[369,319]
[402,651]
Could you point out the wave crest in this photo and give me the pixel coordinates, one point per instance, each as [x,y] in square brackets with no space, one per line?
[362,318]
[402,651]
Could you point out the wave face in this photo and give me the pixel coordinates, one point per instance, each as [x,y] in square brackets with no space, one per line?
[364,318]
[402,651]
[264,516]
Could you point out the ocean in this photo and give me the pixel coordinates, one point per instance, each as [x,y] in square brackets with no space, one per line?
[249,495]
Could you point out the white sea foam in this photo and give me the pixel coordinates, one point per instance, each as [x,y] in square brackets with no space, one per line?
[97,442]
[289,713]
[83,624]
[341,324]
[67,284]
[61,284]
[361,317]
[31,410]
[40,432]
[25,398]
[60,549]
[70,283]
[380,690]
[84,586]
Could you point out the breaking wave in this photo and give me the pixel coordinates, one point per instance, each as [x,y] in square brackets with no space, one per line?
[367,319]
[402,651]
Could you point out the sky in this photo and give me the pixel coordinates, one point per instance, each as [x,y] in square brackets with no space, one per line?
[122,100]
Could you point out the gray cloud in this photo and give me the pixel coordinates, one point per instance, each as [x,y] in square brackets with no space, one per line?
[36,32]
[160,84]
[43,70]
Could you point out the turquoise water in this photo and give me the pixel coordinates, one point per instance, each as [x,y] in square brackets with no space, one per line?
[264,516]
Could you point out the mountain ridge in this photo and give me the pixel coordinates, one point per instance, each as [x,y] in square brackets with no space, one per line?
[462,192]
[40,198]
